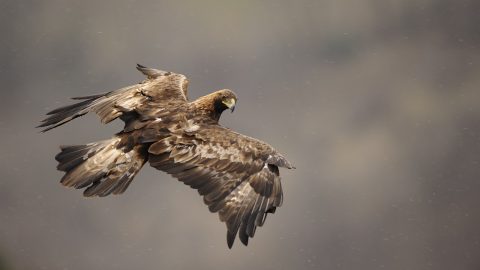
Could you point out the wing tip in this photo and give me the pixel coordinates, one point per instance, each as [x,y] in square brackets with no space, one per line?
[46,127]
[151,73]
[231,238]
[139,66]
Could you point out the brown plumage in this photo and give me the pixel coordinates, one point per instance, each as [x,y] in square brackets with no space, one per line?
[237,176]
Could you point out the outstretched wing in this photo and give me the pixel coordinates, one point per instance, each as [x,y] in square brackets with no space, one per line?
[160,90]
[237,175]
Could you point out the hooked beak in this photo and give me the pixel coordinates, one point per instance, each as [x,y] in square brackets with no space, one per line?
[230,103]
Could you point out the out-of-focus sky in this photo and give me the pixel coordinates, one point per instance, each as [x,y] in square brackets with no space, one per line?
[377,103]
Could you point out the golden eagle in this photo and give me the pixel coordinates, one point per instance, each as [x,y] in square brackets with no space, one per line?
[237,176]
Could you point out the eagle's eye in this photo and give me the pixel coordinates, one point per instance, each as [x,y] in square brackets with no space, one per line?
[229,103]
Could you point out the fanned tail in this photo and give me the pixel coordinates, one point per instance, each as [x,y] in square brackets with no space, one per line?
[102,168]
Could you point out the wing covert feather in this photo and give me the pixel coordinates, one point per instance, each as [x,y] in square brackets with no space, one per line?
[229,170]
[160,90]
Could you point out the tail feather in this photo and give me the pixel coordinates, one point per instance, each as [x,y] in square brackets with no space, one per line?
[102,168]
[72,156]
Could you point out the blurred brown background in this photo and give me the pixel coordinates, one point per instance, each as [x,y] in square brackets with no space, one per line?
[377,103]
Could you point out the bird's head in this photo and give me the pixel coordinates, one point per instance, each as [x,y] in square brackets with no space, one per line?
[215,103]
[224,99]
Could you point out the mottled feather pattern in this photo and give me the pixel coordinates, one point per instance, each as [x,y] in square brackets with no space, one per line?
[159,92]
[101,167]
[234,180]
[237,175]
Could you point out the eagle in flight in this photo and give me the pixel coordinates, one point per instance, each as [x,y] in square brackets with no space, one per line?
[238,176]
